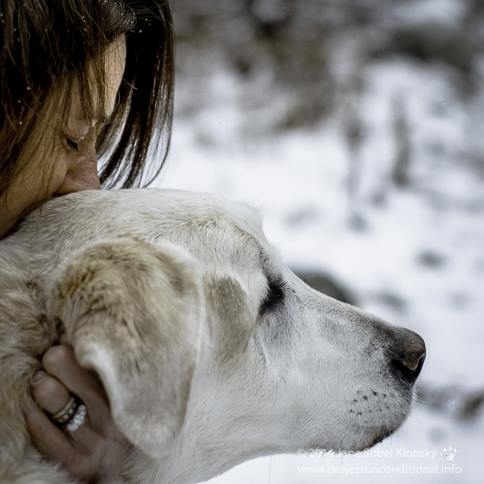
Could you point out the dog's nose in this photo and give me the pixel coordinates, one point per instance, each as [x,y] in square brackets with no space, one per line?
[408,355]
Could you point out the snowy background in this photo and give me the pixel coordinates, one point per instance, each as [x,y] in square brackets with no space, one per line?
[357,127]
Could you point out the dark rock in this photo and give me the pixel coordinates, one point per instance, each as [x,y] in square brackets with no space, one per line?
[460,299]
[358,222]
[471,406]
[437,435]
[391,300]
[457,402]
[326,284]
[441,398]
[431,259]
[304,215]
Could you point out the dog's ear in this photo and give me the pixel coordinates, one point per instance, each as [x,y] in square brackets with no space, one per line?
[132,312]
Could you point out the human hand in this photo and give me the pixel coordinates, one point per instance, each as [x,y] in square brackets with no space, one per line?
[94,450]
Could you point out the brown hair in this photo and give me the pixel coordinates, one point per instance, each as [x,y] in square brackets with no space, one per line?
[47,45]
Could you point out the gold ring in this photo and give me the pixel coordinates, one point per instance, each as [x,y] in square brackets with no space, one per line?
[64,415]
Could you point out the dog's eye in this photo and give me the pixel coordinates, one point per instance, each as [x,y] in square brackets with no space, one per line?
[275,295]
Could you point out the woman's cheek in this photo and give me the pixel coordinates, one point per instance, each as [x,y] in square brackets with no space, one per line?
[58,176]
[35,187]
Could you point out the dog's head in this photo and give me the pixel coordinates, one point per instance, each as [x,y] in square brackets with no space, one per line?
[267,366]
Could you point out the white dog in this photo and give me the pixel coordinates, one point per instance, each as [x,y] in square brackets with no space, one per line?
[211,351]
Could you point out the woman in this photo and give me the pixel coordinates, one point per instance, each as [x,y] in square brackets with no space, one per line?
[80,80]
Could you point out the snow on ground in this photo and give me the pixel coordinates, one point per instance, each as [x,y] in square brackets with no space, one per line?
[297,181]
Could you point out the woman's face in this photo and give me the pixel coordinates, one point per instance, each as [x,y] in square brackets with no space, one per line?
[75,156]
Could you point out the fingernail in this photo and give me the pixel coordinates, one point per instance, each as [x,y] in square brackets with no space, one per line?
[40,375]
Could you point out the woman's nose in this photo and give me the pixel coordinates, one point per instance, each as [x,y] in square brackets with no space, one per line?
[81,175]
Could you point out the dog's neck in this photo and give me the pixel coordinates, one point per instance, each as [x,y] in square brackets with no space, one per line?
[206,447]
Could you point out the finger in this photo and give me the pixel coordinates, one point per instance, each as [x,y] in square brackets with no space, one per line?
[59,361]
[49,393]
[55,445]
[49,440]
[52,396]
